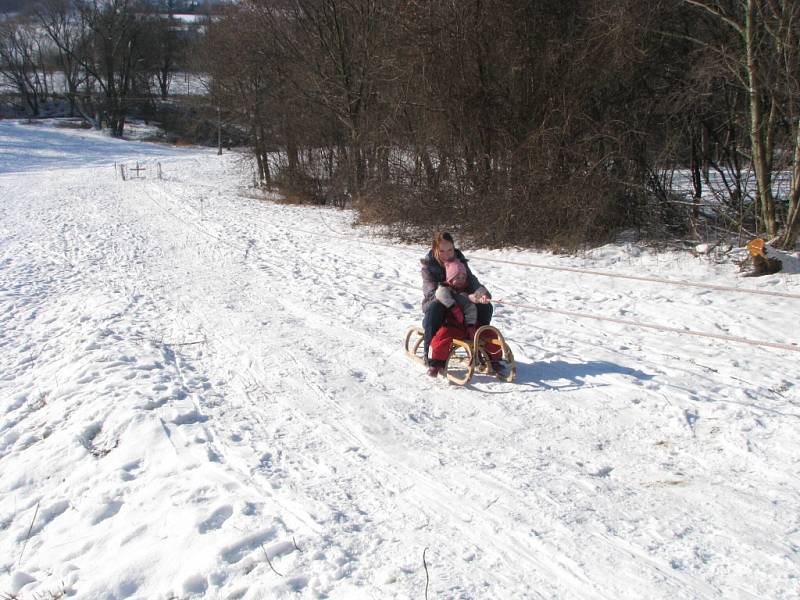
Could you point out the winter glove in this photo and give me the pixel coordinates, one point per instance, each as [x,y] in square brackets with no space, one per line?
[478,294]
[445,296]
[470,313]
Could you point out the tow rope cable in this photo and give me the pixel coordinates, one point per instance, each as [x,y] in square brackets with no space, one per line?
[719,336]
[709,286]
[729,338]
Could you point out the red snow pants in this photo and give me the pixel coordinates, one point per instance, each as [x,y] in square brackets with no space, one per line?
[454,328]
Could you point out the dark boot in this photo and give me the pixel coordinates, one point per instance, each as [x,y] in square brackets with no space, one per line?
[431,322]
[500,368]
[436,368]
[485,312]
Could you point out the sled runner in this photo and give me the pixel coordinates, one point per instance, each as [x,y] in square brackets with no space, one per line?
[466,356]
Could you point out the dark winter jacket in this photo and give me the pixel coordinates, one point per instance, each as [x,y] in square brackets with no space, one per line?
[433,276]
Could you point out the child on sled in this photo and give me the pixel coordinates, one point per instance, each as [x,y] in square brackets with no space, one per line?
[461,319]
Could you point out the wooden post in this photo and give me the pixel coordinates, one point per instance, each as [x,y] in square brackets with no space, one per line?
[138,169]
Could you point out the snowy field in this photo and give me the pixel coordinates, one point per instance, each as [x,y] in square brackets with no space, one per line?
[182,83]
[204,395]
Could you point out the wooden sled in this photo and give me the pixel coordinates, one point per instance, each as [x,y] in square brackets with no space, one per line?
[466,357]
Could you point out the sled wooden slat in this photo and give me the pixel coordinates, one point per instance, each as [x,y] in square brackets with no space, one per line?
[507,356]
[466,356]
[456,363]
[413,341]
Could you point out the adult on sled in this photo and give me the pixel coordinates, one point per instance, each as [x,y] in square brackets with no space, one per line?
[443,316]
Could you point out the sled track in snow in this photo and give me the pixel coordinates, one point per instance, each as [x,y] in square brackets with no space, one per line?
[694,284]
[173,206]
[791,347]
[421,493]
[531,265]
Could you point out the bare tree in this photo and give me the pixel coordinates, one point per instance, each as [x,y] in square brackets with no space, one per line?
[161,44]
[242,84]
[335,55]
[762,54]
[23,57]
[115,54]
[64,28]
[100,46]
[550,123]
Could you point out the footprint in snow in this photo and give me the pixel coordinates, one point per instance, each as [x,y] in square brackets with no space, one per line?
[235,552]
[189,417]
[603,472]
[297,584]
[46,515]
[129,471]
[106,511]
[195,584]
[152,403]
[358,375]
[125,589]
[216,519]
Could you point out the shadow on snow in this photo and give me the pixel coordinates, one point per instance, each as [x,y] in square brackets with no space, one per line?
[564,376]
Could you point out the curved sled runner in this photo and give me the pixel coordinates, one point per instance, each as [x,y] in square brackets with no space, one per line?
[466,356]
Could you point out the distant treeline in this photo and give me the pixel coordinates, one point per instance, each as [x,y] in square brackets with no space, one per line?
[182,6]
[512,122]
[521,122]
[108,60]
[9,6]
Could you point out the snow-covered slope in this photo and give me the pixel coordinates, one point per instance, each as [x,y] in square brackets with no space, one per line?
[204,395]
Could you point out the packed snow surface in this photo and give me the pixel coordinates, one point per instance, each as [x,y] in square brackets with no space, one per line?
[203,393]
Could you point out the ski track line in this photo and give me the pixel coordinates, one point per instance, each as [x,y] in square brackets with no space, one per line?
[388,467]
[174,433]
[433,490]
[361,442]
[660,328]
[420,489]
[357,240]
[347,432]
[556,347]
[290,245]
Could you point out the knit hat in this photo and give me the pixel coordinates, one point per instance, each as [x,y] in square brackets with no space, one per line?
[452,268]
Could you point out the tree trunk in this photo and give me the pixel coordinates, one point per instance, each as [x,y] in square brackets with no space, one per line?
[706,152]
[758,135]
[291,154]
[697,177]
[790,234]
[262,150]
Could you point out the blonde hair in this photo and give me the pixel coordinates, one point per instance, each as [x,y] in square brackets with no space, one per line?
[438,238]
